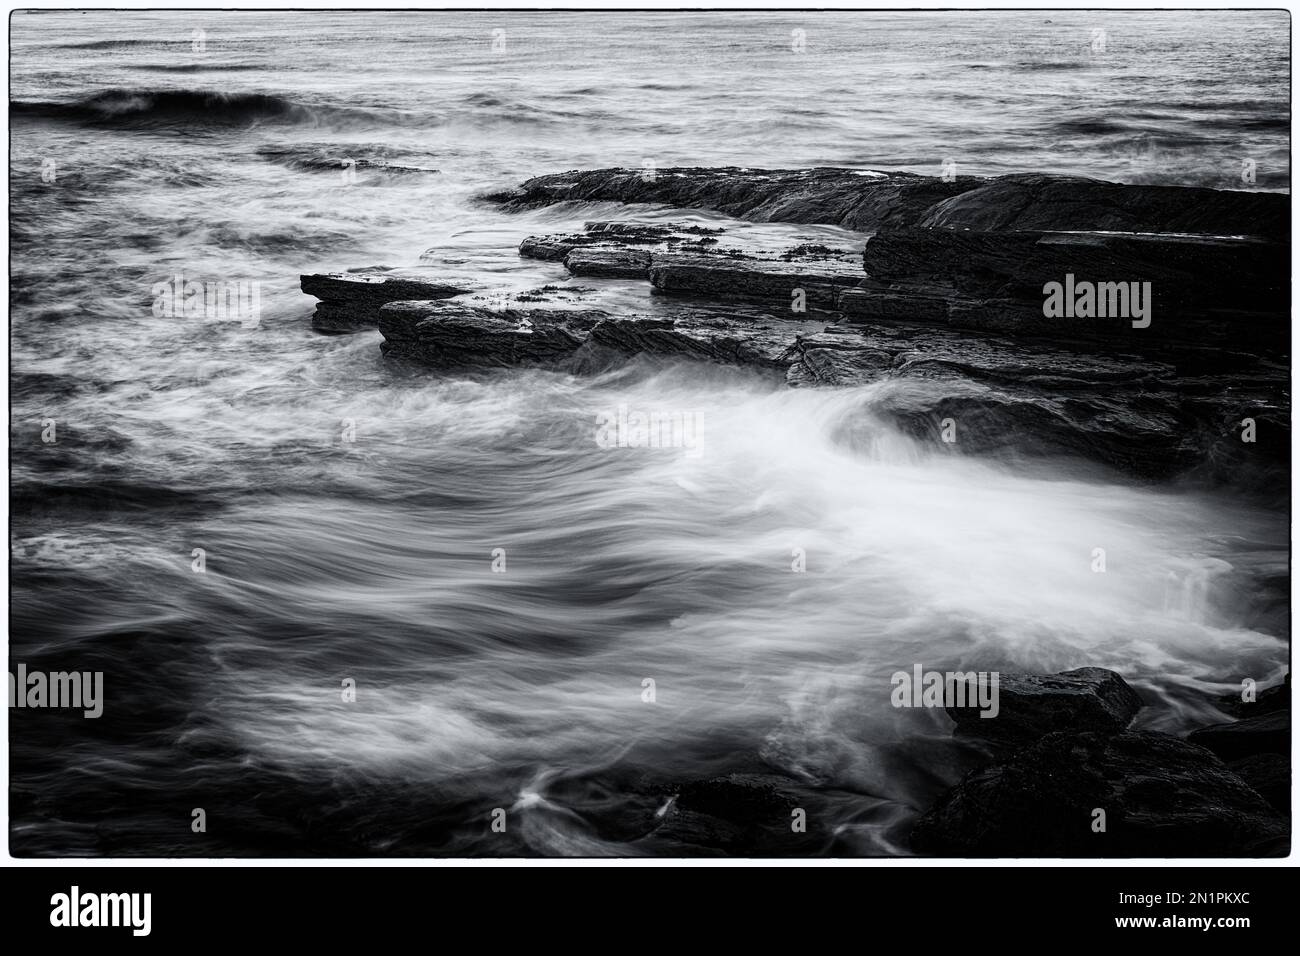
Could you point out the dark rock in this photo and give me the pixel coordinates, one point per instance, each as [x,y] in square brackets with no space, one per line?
[855,199]
[1030,706]
[608,263]
[612,249]
[1162,797]
[727,279]
[742,813]
[456,336]
[1269,775]
[874,301]
[1267,733]
[451,335]
[1204,291]
[836,357]
[867,201]
[549,248]
[350,301]
[628,232]
[703,336]
[1036,202]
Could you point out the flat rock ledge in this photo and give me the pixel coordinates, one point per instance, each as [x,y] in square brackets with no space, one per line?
[350,301]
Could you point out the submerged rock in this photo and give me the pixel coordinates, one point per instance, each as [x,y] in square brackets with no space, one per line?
[1160,796]
[350,301]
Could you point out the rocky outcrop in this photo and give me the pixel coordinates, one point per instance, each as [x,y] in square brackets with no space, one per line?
[350,301]
[978,254]
[1160,797]
[868,200]
[945,299]
[454,336]
[862,200]
[1087,699]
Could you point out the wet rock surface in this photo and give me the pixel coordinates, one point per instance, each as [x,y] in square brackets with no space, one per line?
[1161,796]
[1066,754]
[350,301]
[1031,706]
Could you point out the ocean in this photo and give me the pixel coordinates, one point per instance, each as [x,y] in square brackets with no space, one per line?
[238,523]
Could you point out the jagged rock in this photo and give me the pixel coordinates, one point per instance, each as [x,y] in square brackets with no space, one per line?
[1161,796]
[350,301]
[1030,706]
[834,357]
[457,336]
[1267,733]
[613,249]
[626,231]
[727,278]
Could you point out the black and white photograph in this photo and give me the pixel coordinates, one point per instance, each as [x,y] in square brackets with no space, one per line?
[600,434]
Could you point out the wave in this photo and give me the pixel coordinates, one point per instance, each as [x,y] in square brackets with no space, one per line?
[335,158]
[162,108]
[124,44]
[1091,126]
[201,67]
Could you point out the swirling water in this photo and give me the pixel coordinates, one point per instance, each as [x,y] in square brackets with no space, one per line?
[141,149]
